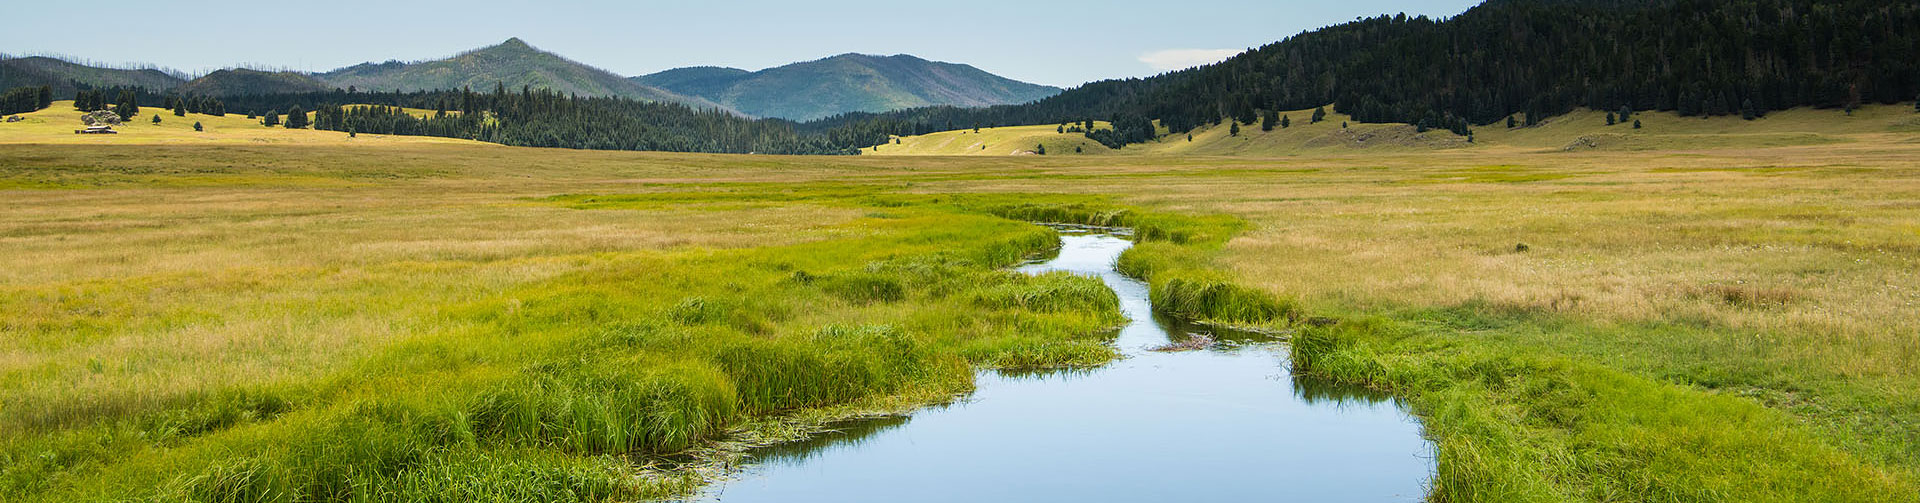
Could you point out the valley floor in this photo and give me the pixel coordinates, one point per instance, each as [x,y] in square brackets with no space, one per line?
[407,320]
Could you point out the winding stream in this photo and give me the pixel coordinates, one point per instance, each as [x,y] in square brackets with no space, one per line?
[1225,424]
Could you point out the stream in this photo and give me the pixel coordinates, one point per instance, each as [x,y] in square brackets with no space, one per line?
[1221,424]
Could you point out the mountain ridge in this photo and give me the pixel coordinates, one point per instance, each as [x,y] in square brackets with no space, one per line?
[512,64]
[244,81]
[849,82]
[62,75]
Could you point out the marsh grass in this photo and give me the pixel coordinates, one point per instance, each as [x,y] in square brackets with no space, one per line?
[603,360]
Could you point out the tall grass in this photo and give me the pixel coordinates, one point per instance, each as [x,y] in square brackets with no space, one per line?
[563,383]
[1684,325]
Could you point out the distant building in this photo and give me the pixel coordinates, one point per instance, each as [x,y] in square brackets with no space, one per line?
[101,129]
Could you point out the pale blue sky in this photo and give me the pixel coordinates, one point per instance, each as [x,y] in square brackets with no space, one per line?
[1061,43]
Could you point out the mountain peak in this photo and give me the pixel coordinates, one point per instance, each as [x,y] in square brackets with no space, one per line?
[850,82]
[871,57]
[513,64]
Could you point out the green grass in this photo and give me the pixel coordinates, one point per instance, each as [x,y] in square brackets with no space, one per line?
[620,356]
[412,322]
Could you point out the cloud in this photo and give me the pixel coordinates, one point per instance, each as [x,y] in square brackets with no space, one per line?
[1181,59]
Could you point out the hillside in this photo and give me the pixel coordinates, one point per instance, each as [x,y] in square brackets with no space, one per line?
[848,83]
[513,63]
[1000,141]
[696,80]
[243,82]
[1538,58]
[54,125]
[1583,130]
[62,76]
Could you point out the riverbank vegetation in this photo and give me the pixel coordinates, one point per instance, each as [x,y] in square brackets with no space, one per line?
[403,320]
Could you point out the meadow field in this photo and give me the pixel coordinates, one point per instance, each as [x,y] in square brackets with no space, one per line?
[1710,310]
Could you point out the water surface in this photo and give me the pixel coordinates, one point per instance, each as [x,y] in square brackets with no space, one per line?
[1227,424]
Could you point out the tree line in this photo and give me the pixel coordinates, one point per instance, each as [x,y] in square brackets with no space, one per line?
[21,100]
[1511,62]
[544,118]
[1528,59]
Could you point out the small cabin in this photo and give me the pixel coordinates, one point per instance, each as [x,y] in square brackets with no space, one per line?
[101,129]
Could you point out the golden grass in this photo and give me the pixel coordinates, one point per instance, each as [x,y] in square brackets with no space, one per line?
[136,272]
[1340,135]
[55,125]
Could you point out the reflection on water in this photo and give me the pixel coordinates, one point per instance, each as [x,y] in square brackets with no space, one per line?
[846,434]
[1225,423]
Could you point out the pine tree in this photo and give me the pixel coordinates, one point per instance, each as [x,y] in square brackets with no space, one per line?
[271,119]
[46,96]
[1285,122]
[1040,149]
[1636,123]
[1609,118]
[1512,123]
[296,118]
[129,106]
[197,128]
[1319,114]
[156,119]
[1747,110]
[1235,130]
[1269,120]
[180,108]
[1625,112]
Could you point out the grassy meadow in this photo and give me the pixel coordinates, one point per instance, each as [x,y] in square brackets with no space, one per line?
[55,125]
[1709,311]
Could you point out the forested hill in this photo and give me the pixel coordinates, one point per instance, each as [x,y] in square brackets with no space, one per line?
[65,77]
[848,83]
[1506,57]
[241,81]
[512,64]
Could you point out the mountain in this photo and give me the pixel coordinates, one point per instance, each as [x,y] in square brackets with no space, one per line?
[512,63]
[62,76]
[848,83]
[242,82]
[1519,59]
[696,80]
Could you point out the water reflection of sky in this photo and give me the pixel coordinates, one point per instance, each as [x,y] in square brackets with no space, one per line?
[1222,424]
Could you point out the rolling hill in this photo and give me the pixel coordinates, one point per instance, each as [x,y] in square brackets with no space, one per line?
[1526,59]
[513,64]
[847,83]
[62,75]
[241,81]
[1579,131]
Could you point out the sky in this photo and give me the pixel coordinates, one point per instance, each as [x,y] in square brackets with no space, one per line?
[1061,43]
